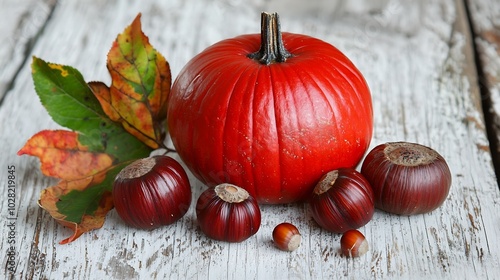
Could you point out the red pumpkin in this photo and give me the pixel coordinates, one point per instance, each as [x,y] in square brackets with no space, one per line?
[271,117]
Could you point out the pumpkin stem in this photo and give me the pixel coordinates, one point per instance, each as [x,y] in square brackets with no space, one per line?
[272,48]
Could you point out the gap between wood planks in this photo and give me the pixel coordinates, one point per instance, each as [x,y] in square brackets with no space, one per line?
[492,121]
[28,47]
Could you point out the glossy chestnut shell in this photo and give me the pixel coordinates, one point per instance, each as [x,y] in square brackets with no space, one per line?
[152,192]
[407,178]
[228,213]
[342,200]
[353,244]
[286,237]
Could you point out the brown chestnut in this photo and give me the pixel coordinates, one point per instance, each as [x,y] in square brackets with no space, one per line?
[152,192]
[342,200]
[353,243]
[286,237]
[228,213]
[407,178]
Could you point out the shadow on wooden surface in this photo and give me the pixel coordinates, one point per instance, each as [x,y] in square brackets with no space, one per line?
[486,34]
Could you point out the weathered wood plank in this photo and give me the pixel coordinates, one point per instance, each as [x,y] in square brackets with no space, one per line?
[22,22]
[418,61]
[485,16]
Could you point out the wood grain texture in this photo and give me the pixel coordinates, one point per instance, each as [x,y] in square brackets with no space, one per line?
[418,60]
[22,22]
[485,23]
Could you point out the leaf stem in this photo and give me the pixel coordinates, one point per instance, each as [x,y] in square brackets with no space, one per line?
[167,149]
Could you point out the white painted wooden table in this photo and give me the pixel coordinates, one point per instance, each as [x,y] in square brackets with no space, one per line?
[421,62]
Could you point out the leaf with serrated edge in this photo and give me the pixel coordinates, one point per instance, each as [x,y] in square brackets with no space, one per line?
[103,94]
[89,216]
[86,159]
[70,102]
[140,86]
[82,198]
[67,97]
[62,156]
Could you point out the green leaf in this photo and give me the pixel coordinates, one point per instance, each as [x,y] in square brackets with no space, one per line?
[111,127]
[77,203]
[86,159]
[66,96]
[71,103]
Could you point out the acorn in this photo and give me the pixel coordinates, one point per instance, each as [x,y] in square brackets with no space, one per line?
[286,237]
[353,244]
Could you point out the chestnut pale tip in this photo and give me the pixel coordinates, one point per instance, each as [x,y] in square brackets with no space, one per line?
[410,154]
[294,242]
[327,182]
[136,169]
[231,193]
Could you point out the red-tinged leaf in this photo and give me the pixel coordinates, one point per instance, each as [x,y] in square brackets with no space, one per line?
[63,156]
[86,159]
[81,215]
[140,86]
[81,200]
[111,127]
[103,94]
